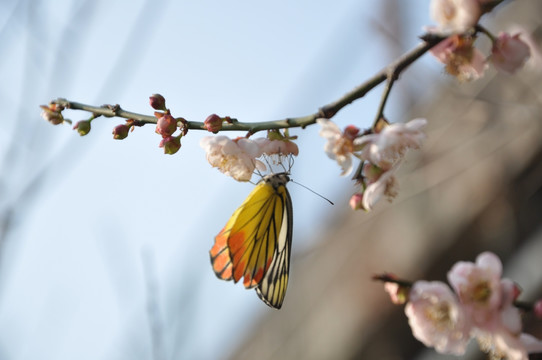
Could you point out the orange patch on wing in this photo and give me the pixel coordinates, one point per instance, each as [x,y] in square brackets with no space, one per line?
[221,241]
[236,241]
[249,283]
[220,257]
[238,271]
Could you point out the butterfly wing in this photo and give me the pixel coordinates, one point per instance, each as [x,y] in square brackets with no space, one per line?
[255,243]
[272,289]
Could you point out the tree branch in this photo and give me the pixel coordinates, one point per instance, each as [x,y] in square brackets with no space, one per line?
[390,73]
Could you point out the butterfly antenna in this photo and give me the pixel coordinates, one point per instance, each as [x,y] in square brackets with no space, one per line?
[312,191]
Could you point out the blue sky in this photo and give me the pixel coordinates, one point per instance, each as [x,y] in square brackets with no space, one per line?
[116,228]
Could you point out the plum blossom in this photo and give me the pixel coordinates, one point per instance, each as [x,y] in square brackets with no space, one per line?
[482,306]
[340,145]
[489,302]
[383,152]
[509,53]
[383,149]
[277,147]
[384,185]
[461,58]
[478,286]
[235,158]
[534,62]
[436,317]
[455,16]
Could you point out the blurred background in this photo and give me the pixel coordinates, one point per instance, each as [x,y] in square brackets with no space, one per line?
[104,243]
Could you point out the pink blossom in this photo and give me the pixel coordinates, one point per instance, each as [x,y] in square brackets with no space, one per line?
[383,149]
[534,62]
[384,185]
[235,158]
[340,145]
[509,53]
[455,16]
[478,286]
[501,343]
[277,147]
[436,317]
[461,58]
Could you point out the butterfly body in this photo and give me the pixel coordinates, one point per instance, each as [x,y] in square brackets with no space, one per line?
[256,242]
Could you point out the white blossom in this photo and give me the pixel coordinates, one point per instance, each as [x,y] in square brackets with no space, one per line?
[436,317]
[235,158]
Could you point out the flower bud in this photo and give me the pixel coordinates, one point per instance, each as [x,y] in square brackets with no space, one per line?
[52,113]
[121,132]
[157,102]
[356,201]
[171,144]
[398,294]
[166,125]
[213,123]
[82,127]
[350,132]
[537,308]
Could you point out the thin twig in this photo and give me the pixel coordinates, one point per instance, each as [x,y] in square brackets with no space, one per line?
[391,73]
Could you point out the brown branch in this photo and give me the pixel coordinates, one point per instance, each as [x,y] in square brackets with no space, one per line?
[390,73]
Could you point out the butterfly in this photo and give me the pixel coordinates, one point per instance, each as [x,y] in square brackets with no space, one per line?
[255,244]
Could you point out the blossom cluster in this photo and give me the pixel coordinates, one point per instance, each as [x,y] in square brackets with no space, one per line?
[458,21]
[238,157]
[381,152]
[480,306]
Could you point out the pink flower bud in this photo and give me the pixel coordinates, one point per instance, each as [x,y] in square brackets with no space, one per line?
[121,132]
[157,102]
[166,125]
[356,201]
[350,132]
[213,123]
[398,294]
[82,127]
[170,144]
[52,113]
[537,308]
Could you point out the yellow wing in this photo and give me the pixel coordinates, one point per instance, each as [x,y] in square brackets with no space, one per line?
[255,243]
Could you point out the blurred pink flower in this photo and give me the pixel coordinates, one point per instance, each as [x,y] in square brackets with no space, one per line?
[384,185]
[461,58]
[340,145]
[478,286]
[383,149]
[455,16]
[436,317]
[277,147]
[509,53]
